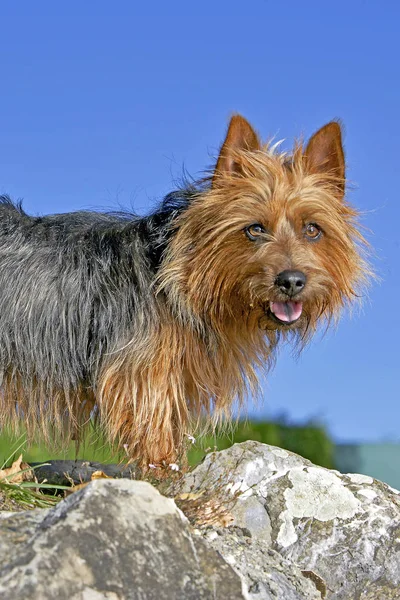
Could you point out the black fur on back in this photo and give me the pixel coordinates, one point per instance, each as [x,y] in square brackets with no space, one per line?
[74,286]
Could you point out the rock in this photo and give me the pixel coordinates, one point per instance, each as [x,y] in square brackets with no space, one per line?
[266,574]
[342,531]
[65,472]
[114,539]
[261,524]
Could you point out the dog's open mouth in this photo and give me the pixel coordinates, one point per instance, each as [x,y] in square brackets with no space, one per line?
[286,312]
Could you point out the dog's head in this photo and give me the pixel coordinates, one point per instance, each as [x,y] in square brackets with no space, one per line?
[272,241]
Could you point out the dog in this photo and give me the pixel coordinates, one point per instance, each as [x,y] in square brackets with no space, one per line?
[156,323]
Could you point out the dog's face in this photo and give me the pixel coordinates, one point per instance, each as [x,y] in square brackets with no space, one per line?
[272,242]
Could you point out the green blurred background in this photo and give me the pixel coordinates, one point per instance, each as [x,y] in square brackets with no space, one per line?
[309,440]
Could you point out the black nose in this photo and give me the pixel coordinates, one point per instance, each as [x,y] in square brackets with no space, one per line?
[290,282]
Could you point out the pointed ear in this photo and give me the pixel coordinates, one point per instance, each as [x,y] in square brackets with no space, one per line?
[324,154]
[240,136]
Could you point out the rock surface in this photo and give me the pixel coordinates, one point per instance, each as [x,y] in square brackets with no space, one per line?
[343,531]
[261,524]
[65,472]
[112,540]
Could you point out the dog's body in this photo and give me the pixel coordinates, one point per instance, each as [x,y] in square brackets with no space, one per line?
[155,321]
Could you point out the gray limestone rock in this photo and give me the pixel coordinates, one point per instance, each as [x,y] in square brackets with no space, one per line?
[342,531]
[112,540]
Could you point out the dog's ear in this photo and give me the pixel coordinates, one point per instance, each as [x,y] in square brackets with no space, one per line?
[240,136]
[324,154]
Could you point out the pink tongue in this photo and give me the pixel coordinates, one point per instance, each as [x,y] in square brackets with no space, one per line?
[287,311]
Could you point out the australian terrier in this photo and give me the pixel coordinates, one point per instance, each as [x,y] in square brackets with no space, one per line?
[155,323]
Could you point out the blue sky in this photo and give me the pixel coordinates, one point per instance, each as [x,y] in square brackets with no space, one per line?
[102,103]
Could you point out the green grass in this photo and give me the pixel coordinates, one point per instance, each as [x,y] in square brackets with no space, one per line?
[24,495]
[92,448]
[28,495]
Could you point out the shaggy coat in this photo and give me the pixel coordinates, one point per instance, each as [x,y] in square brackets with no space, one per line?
[154,323]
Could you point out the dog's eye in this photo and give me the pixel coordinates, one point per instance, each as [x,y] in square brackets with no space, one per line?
[312,231]
[254,231]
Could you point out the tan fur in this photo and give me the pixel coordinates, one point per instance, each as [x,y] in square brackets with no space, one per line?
[215,331]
